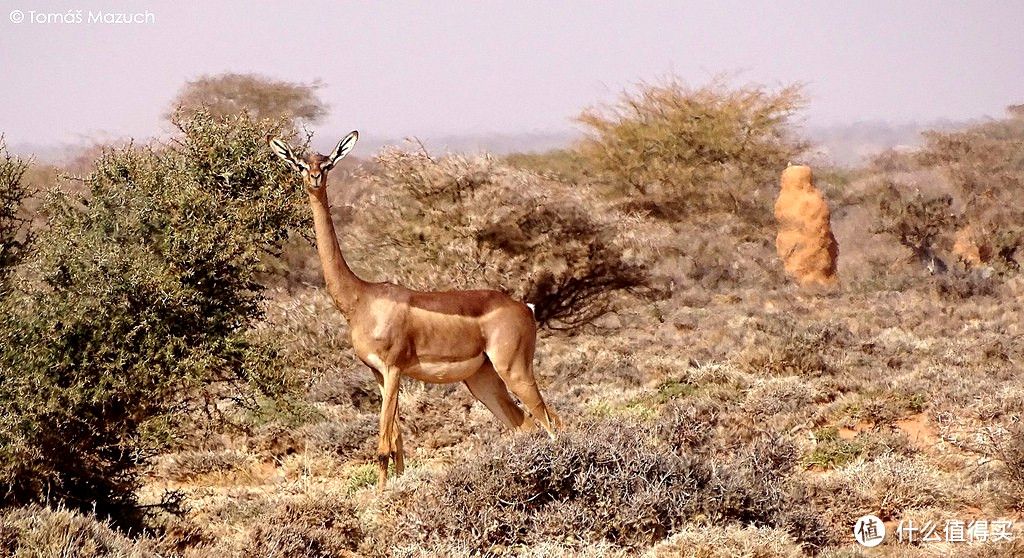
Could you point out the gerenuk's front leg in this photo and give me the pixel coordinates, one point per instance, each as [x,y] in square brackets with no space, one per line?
[389,434]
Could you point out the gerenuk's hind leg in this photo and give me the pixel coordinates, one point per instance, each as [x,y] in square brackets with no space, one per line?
[516,370]
[488,387]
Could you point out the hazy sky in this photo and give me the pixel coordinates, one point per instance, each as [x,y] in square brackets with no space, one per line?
[394,69]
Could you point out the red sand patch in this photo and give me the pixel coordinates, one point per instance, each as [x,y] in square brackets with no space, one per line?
[919,431]
[851,433]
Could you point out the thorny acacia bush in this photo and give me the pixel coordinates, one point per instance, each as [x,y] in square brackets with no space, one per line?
[687,151]
[608,482]
[14,238]
[917,222]
[144,288]
[462,223]
[926,225]
[230,94]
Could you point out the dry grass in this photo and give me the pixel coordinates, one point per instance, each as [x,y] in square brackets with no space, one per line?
[728,542]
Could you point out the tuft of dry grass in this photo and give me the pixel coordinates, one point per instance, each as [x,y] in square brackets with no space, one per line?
[325,527]
[184,466]
[731,541]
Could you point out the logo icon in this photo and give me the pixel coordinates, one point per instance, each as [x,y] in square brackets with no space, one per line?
[869,530]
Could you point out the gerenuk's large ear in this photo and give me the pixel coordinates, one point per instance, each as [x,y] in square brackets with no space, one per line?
[342,149]
[283,151]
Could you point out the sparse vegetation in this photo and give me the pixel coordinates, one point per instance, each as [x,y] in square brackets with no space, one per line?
[985,167]
[711,409]
[607,482]
[975,221]
[320,528]
[36,531]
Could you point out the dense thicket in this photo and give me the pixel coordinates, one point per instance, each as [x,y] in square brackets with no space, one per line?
[141,293]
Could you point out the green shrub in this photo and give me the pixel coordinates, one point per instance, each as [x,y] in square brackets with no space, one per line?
[229,94]
[144,289]
[831,451]
[688,151]
[344,436]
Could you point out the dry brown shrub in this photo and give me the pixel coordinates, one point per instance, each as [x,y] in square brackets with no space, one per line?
[316,527]
[769,398]
[689,426]
[351,437]
[313,337]
[1002,549]
[462,223]
[977,218]
[720,251]
[783,346]
[985,165]
[607,482]
[917,221]
[1007,445]
[893,485]
[35,531]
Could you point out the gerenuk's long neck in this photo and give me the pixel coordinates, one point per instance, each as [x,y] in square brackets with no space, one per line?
[342,284]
